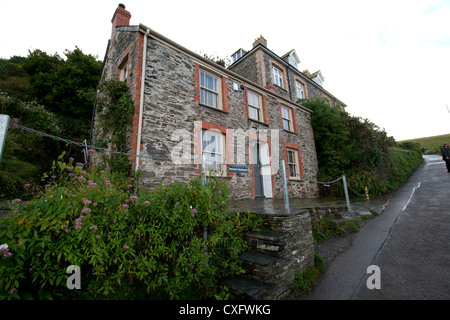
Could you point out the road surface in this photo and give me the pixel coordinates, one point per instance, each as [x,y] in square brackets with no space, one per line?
[409,243]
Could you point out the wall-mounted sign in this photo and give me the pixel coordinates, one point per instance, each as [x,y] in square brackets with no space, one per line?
[241,169]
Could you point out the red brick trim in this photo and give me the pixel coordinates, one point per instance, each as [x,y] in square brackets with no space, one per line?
[136,93]
[294,146]
[224,88]
[197,82]
[225,99]
[294,121]
[199,126]
[265,109]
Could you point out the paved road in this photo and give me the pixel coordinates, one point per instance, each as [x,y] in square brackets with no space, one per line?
[409,242]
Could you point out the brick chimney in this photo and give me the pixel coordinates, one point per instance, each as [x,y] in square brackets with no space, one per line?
[120,18]
[260,40]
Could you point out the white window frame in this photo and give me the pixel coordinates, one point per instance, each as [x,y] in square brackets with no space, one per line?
[293,164]
[277,76]
[213,150]
[286,118]
[292,61]
[237,55]
[300,90]
[208,92]
[255,109]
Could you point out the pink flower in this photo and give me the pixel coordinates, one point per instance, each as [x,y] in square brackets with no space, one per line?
[86,210]
[13,291]
[86,202]
[93,228]
[125,206]
[133,198]
[130,186]
[126,247]
[27,185]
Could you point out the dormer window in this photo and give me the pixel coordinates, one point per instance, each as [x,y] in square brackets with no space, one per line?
[293,59]
[237,55]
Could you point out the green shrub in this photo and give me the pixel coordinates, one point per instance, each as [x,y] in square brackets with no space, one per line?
[130,240]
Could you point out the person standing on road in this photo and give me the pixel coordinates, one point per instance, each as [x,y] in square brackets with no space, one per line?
[446,155]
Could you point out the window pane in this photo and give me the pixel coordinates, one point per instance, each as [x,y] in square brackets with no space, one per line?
[253,99]
[292,170]
[291,157]
[286,124]
[254,113]
[208,81]
[285,113]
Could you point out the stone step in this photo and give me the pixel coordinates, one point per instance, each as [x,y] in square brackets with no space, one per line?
[243,288]
[266,235]
[257,258]
[266,242]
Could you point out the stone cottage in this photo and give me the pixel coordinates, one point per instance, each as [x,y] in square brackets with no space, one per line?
[236,123]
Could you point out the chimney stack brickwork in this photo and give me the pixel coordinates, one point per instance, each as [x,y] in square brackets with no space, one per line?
[121,18]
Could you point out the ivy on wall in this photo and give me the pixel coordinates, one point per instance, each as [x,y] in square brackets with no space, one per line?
[115,109]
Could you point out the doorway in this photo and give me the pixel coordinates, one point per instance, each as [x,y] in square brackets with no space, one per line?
[260,161]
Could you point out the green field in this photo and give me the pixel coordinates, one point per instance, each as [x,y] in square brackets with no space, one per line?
[431,144]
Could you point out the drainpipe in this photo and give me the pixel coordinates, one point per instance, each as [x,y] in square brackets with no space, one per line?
[141,100]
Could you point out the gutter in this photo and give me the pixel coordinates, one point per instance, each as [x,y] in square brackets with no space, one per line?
[141,100]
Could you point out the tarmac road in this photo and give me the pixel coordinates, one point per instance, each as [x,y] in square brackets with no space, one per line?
[409,242]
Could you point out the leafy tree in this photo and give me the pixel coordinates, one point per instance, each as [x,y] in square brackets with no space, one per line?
[331,135]
[13,78]
[65,86]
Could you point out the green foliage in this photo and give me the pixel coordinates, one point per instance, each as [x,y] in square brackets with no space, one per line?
[331,136]
[65,86]
[131,241]
[326,228]
[13,78]
[304,280]
[26,155]
[115,108]
[357,148]
[430,144]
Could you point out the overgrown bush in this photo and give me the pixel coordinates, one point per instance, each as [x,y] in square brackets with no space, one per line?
[359,149]
[26,155]
[114,109]
[130,240]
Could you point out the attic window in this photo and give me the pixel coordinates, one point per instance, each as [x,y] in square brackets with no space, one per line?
[293,61]
[237,55]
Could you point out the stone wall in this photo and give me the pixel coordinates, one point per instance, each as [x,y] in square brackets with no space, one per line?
[291,246]
[172,108]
